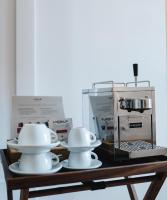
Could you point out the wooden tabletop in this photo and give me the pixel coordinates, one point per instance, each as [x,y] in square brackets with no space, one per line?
[109,169]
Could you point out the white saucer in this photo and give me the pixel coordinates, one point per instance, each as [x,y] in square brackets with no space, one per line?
[15,168]
[31,148]
[80,149]
[94,164]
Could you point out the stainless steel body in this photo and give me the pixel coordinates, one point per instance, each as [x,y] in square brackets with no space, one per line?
[122,114]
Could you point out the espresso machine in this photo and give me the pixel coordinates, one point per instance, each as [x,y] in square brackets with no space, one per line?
[123,117]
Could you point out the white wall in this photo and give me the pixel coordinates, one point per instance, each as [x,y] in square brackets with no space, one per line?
[79,42]
[7,74]
[25,47]
[7,65]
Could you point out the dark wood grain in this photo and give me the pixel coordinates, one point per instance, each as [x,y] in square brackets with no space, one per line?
[24,194]
[9,194]
[5,163]
[108,170]
[132,191]
[85,175]
[90,186]
[155,187]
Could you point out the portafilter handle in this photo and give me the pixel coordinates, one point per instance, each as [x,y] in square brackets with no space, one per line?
[135,71]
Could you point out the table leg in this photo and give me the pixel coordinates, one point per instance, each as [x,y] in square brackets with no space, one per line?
[132,191]
[10,194]
[155,187]
[24,193]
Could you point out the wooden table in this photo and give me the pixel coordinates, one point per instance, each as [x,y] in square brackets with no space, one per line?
[90,179]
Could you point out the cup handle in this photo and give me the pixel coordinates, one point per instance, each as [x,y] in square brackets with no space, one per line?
[55,158]
[54,134]
[93,137]
[95,155]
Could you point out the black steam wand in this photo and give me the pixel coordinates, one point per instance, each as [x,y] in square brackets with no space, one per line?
[135,71]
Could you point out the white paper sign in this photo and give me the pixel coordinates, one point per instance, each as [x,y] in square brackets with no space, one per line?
[35,109]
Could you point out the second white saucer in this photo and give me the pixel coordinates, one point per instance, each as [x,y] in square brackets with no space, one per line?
[81,149]
[94,164]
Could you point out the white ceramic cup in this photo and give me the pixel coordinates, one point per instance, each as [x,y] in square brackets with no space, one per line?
[81,137]
[37,162]
[36,134]
[81,159]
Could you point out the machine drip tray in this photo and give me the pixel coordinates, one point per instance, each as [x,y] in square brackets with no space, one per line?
[139,149]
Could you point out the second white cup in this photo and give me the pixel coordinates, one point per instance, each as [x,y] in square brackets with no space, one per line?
[81,159]
[81,137]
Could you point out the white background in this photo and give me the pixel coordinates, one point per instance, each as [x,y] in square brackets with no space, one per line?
[80,42]
[64,46]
